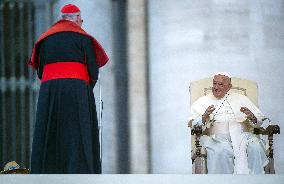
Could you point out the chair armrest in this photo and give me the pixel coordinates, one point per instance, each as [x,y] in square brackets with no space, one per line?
[196,130]
[270,130]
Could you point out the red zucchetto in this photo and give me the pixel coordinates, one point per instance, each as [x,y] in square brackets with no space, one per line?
[70,8]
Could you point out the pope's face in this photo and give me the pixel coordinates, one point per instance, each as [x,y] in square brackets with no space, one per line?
[221,85]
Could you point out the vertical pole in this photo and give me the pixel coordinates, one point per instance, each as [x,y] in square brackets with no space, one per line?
[22,87]
[100,119]
[3,88]
[121,84]
[138,86]
[30,74]
[12,113]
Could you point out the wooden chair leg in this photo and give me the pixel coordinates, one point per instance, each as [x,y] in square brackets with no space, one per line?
[200,166]
[269,169]
[198,159]
[269,131]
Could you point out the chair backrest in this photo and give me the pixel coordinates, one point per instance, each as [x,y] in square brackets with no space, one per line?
[203,87]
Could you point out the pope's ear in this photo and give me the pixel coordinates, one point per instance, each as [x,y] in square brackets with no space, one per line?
[230,85]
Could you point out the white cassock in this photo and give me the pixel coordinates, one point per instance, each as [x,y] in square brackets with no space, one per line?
[230,148]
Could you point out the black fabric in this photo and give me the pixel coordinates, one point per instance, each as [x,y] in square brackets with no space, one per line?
[66,136]
[68,46]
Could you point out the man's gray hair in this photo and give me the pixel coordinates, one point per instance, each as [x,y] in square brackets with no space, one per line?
[224,74]
[70,16]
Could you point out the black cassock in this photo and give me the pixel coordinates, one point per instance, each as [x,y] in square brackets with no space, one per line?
[66,135]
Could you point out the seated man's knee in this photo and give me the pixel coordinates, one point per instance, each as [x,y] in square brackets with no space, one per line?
[257,158]
[225,152]
[221,160]
[254,147]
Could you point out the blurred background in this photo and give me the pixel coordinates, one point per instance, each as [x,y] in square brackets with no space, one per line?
[156,48]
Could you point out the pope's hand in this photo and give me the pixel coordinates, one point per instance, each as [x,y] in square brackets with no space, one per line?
[249,114]
[207,113]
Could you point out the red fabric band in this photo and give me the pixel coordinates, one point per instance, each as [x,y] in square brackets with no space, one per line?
[61,70]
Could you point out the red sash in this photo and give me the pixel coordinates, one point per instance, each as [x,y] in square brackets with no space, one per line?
[61,70]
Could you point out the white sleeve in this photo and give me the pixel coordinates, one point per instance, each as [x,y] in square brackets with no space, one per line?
[197,121]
